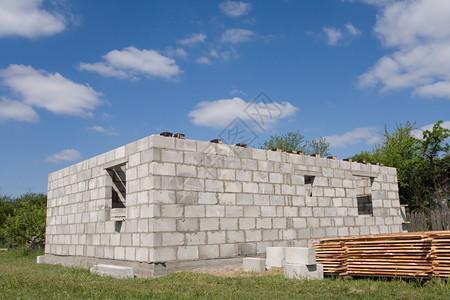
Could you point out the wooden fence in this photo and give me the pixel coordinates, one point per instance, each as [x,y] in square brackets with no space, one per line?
[436,221]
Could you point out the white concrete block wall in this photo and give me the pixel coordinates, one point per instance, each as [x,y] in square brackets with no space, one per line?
[189,200]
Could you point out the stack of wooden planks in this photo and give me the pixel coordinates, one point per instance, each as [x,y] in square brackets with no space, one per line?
[440,253]
[332,256]
[420,254]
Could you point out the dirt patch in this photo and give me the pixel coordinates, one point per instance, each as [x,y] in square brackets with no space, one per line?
[236,271]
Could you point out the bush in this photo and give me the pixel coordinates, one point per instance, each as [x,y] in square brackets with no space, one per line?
[25,222]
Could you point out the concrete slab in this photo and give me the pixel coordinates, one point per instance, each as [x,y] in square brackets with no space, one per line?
[254,264]
[300,255]
[275,257]
[113,271]
[298,271]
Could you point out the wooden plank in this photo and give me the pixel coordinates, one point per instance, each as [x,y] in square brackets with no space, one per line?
[407,254]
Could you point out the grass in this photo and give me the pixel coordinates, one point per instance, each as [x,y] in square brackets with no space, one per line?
[22,278]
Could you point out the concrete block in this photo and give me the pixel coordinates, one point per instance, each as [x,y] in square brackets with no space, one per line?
[254,264]
[39,259]
[226,174]
[244,199]
[298,271]
[228,224]
[215,211]
[217,237]
[300,255]
[207,198]
[275,257]
[214,185]
[209,224]
[229,250]
[234,211]
[187,253]
[246,249]
[208,251]
[185,145]
[244,175]
[187,225]
[233,187]
[113,271]
[167,169]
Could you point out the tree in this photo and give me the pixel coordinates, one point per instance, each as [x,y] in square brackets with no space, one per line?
[296,141]
[422,164]
[27,219]
[434,150]
[6,209]
[320,146]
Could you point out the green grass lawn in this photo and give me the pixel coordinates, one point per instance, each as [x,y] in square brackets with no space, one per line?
[22,278]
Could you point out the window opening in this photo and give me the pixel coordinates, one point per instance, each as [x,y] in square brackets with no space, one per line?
[365,205]
[309,180]
[364,195]
[119,183]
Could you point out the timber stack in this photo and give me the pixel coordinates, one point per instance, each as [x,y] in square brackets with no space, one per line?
[419,254]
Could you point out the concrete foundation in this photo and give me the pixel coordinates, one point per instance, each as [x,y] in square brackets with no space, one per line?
[140,269]
[113,271]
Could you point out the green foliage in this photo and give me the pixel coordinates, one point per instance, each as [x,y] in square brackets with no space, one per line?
[286,142]
[320,146]
[6,209]
[422,164]
[434,150]
[296,141]
[25,219]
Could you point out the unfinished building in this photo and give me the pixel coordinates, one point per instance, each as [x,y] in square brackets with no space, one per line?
[164,203]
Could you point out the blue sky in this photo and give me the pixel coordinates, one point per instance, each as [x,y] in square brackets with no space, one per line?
[79,78]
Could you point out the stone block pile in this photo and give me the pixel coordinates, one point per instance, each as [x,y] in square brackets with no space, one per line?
[298,262]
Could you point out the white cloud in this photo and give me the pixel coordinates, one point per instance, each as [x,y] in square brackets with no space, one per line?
[213,53]
[368,135]
[101,129]
[26,18]
[408,23]
[419,33]
[237,35]
[63,156]
[418,133]
[372,2]
[333,35]
[220,113]
[234,8]
[178,52]
[203,60]
[52,91]
[133,63]
[336,36]
[237,92]
[352,30]
[193,39]
[15,110]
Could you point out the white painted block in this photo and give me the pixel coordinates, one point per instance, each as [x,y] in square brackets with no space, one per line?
[113,271]
[300,255]
[40,259]
[254,264]
[275,257]
[299,271]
